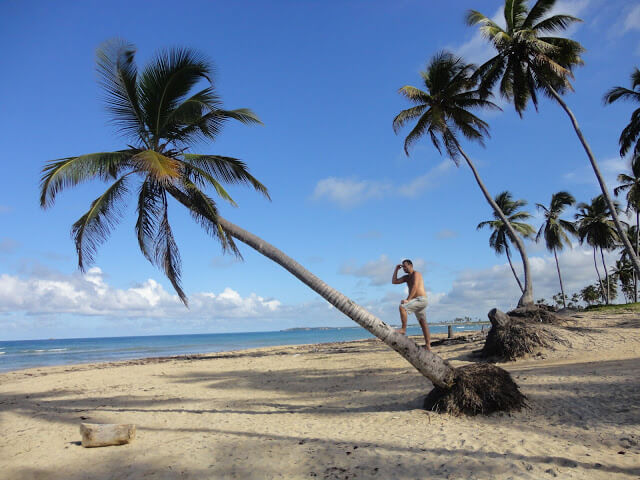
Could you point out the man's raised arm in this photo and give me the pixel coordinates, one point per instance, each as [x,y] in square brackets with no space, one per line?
[395,280]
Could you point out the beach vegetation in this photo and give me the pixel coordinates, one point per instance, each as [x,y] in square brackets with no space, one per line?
[595,227]
[630,136]
[163,112]
[630,183]
[500,237]
[532,59]
[441,112]
[554,230]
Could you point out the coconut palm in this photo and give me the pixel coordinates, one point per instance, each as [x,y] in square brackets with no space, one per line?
[530,61]
[441,111]
[499,239]
[162,118]
[631,133]
[555,229]
[631,184]
[623,271]
[595,226]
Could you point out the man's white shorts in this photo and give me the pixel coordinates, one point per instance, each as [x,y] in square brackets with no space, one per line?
[416,305]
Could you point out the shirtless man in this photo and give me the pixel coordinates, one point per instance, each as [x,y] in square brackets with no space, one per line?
[416,301]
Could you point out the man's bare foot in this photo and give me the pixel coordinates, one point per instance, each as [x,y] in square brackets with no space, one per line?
[427,347]
[400,330]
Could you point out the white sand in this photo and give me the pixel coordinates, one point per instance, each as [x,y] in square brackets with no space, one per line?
[330,412]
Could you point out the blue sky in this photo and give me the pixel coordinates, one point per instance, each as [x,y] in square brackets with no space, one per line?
[347,203]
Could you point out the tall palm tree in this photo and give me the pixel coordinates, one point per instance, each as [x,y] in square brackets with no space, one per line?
[631,184]
[162,118]
[631,133]
[499,239]
[441,111]
[555,229]
[595,226]
[529,61]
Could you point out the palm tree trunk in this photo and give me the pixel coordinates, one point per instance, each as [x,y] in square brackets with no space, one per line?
[513,269]
[598,272]
[606,275]
[527,294]
[635,275]
[603,186]
[439,371]
[555,254]
[430,365]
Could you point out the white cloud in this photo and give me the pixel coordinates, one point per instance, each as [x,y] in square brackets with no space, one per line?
[476,291]
[570,7]
[348,193]
[370,235]
[8,245]
[89,294]
[4,209]
[379,271]
[446,234]
[610,169]
[632,19]
[426,181]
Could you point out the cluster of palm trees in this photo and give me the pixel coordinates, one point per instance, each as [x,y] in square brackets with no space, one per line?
[531,59]
[162,116]
[592,226]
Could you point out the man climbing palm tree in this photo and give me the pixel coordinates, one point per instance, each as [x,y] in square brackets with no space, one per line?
[416,301]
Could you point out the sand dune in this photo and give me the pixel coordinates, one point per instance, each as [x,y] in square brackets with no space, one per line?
[332,411]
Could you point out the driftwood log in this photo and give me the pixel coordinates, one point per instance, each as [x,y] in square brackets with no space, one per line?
[105,434]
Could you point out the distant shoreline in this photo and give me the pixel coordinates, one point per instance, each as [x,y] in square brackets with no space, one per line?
[441,324]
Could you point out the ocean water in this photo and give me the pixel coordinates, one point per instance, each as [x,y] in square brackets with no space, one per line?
[16,355]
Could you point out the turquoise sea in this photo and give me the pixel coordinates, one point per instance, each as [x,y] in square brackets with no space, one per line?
[16,355]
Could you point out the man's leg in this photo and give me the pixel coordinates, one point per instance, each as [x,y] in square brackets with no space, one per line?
[422,318]
[403,319]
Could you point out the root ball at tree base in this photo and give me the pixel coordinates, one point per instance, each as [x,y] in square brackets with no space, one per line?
[479,388]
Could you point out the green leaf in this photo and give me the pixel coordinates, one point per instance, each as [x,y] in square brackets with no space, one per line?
[93,228]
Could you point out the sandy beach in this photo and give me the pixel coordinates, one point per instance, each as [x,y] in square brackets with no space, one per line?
[331,411]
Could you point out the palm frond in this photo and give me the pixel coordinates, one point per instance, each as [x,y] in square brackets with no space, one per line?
[92,229]
[405,115]
[540,8]
[71,171]
[555,23]
[228,169]
[630,134]
[199,177]
[421,126]
[150,211]
[165,82]
[161,168]
[414,94]
[167,255]
[117,75]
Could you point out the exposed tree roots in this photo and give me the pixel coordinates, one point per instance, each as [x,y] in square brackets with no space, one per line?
[512,337]
[479,388]
[517,339]
[535,313]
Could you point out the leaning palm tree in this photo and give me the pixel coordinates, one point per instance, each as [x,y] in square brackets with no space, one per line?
[555,229]
[631,184]
[162,118]
[595,227]
[499,239]
[529,61]
[631,133]
[441,111]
